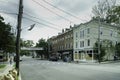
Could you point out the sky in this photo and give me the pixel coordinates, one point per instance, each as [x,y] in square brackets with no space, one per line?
[48,20]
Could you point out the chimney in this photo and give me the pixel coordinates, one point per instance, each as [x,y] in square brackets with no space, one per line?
[62,30]
[70,27]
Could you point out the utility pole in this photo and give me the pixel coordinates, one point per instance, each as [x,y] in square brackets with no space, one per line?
[48,48]
[99,40]
[19,21]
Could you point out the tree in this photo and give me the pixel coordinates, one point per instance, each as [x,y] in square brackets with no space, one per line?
[100,56]
[26,43]
[117,49]
[107,50]
[7,38]
[42,43]
[113,15]
[101,9]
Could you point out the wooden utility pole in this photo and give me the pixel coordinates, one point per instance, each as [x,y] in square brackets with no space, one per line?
[99,24]
[19,21]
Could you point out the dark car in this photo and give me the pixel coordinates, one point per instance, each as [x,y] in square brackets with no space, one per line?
[53,58]
[20,58]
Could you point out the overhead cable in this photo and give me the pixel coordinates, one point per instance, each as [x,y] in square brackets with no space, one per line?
[40,23]
[52,11]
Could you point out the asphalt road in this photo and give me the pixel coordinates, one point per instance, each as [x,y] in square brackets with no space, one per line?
[32,69]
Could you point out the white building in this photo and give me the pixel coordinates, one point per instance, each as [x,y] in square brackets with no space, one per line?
[86,35]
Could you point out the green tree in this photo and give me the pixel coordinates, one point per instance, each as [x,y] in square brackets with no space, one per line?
[118,49]
[101,9]
[42,43]
[113,15]
[100,56]
[107,50]
[26,43]
[7,38]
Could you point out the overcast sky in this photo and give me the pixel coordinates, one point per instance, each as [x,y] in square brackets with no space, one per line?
[45,16]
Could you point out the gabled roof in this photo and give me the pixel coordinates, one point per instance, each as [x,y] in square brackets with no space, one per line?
[96,21]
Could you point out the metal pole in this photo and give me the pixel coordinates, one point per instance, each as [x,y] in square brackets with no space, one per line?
[99,41]
[18,34]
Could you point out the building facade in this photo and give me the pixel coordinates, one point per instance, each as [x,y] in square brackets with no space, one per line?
[86,35]
[62,44]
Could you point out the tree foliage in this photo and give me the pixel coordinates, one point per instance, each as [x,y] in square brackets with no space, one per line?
[113,15]
[7,38]
[106,49]
[101,9]
[102,52]
[118,49]
[26,43]
[42,43]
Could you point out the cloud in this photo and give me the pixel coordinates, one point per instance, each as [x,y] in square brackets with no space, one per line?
[79,8]
[76,6]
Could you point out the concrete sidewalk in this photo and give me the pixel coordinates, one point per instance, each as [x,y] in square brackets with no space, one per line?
[90,62]
[6,69]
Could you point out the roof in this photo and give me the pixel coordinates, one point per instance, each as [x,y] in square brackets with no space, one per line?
[95,21]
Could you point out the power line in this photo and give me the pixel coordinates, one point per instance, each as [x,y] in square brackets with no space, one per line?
[51,11]
[63,11]
[8,13]
[41,19]
[41,23]
[7,1]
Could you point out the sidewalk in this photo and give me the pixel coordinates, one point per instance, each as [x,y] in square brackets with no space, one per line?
[6,69]
[90,62]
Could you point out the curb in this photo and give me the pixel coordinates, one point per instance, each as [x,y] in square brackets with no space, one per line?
[6,69]
[19,77]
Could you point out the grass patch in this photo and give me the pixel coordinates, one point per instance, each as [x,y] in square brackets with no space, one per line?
[2,66]
[14,65]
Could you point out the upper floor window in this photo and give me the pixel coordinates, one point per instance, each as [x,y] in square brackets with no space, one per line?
[76,34]
[88,30]
[76,44]
[82,34]
[88,42]
[81,43]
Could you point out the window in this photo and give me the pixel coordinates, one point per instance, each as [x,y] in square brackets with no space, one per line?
[88,30]
[76,34]
[82,34]
[101,32]
[88,42]
[81,43]
[111,32]
[76,44]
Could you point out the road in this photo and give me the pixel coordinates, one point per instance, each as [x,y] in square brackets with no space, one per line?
[32,69]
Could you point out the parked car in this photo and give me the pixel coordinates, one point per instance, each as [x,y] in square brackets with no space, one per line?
[19,59]
[53,58]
